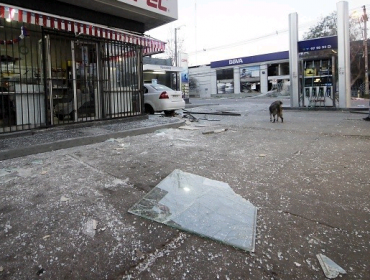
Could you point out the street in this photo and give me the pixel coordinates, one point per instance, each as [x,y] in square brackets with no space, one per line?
[308,177]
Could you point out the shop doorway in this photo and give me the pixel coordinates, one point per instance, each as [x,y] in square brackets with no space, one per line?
[85,81]
[72,74]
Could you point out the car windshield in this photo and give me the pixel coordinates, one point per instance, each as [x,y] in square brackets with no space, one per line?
[161,87]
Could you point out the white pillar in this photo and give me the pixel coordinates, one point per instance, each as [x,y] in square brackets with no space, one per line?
[344,63]
[293,59]
[263,78]
[236,80]
[213,79]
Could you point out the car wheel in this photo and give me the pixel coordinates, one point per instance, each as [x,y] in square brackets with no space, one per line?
[169,113]
[149,109]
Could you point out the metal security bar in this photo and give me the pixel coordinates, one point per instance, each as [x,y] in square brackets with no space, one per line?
[92,79]
[22,94]
[51,77]
[122,79]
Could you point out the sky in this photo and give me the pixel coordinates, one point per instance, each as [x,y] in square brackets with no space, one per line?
[213,30]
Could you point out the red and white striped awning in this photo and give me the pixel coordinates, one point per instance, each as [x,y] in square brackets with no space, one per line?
[151,46]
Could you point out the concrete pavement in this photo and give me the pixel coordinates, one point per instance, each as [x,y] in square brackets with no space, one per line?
[308,176]
[43,140]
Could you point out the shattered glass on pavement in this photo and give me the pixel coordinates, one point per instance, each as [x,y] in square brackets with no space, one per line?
[51,135]
[202,206]
[330,268]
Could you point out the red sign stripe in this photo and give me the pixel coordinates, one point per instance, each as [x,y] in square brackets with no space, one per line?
[2,11]
[60,24]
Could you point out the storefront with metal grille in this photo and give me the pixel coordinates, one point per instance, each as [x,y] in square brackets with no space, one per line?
[56,71]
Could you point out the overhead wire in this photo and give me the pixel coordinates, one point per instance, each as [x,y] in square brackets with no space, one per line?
[244,42]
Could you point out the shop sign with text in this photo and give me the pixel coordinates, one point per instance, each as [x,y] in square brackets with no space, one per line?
[163,7]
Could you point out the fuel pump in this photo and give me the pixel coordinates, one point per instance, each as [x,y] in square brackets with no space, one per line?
[318,83]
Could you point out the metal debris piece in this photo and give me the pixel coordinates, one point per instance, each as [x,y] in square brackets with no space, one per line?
[201,206]
[191,117]
[215,131]
[210,120]
[189,128]
[330,268]
[262,155]
[221,130]
[222,113]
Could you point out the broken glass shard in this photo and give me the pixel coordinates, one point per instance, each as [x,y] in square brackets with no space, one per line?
[330,268]
[201,206]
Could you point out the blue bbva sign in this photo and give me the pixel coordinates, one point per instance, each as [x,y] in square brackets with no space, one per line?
[323,43]
[318,44]
[250,59]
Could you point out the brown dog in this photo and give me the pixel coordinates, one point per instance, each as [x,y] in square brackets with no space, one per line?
[276,109]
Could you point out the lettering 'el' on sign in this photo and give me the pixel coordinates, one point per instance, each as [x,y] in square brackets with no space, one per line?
[163,7]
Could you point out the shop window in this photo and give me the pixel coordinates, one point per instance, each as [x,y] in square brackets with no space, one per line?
[284,69]
[225,74]
[273,70]
[225,81]
[250,78]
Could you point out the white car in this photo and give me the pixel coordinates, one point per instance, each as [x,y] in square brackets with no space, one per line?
[158,98]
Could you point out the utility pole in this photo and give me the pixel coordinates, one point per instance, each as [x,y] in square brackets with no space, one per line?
[365,19]
[176,52]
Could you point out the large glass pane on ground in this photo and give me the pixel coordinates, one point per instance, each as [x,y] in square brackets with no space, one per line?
[202,206]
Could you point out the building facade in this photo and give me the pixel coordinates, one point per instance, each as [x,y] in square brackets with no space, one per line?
[254,74]
[270,73]
[64,62]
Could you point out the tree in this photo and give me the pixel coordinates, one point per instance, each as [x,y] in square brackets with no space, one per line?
[327,26]
[193,84]
[170,46]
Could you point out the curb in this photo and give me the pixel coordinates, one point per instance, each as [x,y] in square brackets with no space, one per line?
[81,141]
[352,110]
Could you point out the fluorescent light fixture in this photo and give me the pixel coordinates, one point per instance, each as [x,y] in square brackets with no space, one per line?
[159,72]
